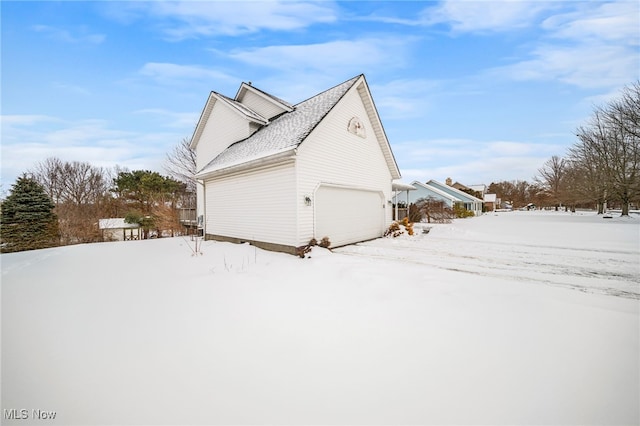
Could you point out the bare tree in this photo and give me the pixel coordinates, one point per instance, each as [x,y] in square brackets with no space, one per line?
[590,181]
[434,210]
[551,178]
[181,164]
[610,143]
[81,196]
[49,174]
[517,193]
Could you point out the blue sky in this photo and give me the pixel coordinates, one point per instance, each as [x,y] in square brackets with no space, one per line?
[478,91]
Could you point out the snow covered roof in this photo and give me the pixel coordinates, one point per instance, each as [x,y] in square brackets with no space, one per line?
[248,86]
[116,223]
[244,110]
[478,188]
[460,194]
[401,186]
[285,132]
[435,190]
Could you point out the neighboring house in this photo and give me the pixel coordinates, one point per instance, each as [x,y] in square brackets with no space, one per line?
[116,229]
[277,175]
[480,189]
[441,192]
[457,185]
[491,202]
[468,201]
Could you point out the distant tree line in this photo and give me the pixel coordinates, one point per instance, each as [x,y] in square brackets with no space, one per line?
[603,166]
[60,202]
[519,193]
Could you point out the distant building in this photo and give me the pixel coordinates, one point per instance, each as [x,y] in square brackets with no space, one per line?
[491,202]
[116,229]
[442,192]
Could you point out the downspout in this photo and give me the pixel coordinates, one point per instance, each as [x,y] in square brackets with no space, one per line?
[204,208]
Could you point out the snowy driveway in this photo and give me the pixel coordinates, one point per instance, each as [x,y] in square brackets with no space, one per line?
[582,251]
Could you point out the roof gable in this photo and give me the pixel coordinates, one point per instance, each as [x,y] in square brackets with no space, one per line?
[261,101]
[435,190]
[381,136]
[288,130]
[284,132]
[238,108]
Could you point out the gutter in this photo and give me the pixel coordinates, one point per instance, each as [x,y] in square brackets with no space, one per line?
[277,157]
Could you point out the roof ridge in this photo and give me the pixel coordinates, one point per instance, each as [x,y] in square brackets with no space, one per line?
[287,130]
[277,99]
[329,89]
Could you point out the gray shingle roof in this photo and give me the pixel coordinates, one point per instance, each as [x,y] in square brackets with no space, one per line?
[284,132]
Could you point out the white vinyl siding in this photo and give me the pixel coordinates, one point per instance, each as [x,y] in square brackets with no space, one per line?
[256,205]
[348,215]
[333,155]
[223,128]
[263,106]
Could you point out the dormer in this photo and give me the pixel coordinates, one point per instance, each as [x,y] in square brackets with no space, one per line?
[223,122]
[266,105]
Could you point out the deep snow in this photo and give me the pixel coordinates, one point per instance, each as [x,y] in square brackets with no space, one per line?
[508,318]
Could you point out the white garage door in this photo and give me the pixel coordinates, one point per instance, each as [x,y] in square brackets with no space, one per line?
[347,215]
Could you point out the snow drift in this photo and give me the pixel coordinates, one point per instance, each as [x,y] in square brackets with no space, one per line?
[515,318]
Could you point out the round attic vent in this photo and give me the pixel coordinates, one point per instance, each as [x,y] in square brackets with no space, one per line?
[356,127]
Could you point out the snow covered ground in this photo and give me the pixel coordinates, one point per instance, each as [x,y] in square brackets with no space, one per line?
[509,318]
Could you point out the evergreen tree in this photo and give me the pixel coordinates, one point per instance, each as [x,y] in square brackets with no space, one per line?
[28,221]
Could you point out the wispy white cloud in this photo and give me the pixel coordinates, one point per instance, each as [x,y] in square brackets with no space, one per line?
[169,73]
[405,99]
[338,54]
[471,161]
[296,71]
[618,21]
[26,141]
[189,19]
[583,65]
[178,120]
[584,44]
[71,88]
[484,16]
[15,120]
[79,35]
[595,46]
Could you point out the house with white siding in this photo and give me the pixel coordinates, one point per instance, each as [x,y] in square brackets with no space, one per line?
[277,175]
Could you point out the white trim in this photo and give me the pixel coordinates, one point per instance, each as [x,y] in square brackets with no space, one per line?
[244,87]
[252,163]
